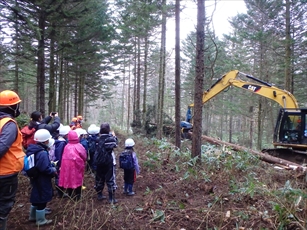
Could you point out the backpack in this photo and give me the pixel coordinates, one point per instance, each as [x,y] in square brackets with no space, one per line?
[126,160]
[102,156]
[29,166]
[27,136]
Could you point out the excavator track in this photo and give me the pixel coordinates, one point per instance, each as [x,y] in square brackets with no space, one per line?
[296,156]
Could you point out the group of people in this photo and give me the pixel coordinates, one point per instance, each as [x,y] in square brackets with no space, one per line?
[62,152]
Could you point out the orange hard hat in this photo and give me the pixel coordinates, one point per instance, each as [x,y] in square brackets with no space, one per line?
[79,117]
[8,97]
[74,119]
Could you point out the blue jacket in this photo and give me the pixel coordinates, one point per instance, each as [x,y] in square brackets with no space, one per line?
[59,145]
[42,190]
[84,143]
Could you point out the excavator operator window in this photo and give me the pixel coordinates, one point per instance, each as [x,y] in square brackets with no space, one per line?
[291,129]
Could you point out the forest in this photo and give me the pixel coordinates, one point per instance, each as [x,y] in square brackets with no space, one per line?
[107,61]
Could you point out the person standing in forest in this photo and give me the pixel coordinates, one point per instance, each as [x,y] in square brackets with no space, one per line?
[104,162]
[11,153]
[132,168]
[59,146]
[73,166]
[42,190]
[37,122]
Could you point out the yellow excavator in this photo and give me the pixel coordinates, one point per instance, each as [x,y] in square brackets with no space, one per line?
[290,134]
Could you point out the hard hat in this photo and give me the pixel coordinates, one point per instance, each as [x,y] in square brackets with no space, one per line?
[129,142]
[79,131]
[64,130]
[8,97]
[74,119]
[93,129]
[79,117]
[84,132]
[61,125]
[42,135]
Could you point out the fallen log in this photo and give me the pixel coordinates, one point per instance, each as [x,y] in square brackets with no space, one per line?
[262,156]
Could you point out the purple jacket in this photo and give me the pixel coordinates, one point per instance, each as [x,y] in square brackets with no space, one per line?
[72,163]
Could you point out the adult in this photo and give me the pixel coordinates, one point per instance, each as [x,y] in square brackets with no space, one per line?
[38,122]
[11,153]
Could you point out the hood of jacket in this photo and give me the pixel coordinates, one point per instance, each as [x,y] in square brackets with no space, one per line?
[35,148]
[73,137]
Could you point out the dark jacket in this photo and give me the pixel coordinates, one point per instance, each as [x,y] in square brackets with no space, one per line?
[42,190]
[108,142]
[59,145]
[44,124]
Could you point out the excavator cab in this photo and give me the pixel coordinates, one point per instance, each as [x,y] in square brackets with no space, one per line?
[291,128]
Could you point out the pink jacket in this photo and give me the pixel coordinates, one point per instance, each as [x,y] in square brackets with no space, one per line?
[73,163]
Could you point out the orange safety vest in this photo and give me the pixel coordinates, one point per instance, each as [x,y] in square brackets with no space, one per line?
[12,161]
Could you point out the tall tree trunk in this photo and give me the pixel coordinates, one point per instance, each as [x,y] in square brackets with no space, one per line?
[177,76]
[61,101]
[129,98]
[16,27]
[288,79]
[134,80]
[41,79]
[81,95]
[161,73]
[138,85]
[199,79]
[144,110]
[124,101]
[52,89]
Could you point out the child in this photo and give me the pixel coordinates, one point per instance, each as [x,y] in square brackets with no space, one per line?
[42,190]
[104,163]
[130,174]
[72,166]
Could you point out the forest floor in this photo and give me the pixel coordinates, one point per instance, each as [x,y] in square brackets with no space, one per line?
[227,190]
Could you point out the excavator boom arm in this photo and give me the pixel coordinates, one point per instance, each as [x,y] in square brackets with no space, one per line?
[284,98]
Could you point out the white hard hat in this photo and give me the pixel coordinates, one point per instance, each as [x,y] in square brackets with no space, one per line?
[61,125]
[64,130]
[42,135]
[129,142]
[84,132]
[79,131]
[93,129]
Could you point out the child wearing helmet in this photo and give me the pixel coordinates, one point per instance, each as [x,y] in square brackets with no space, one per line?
[72,166]
[59,146]
[42,190]
[130,174]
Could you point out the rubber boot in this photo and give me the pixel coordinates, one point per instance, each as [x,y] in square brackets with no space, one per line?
[41,219]
[3,221]
[125,188]
[130,192]
[112,199]
[32,216]
[100,196]
[48,211]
